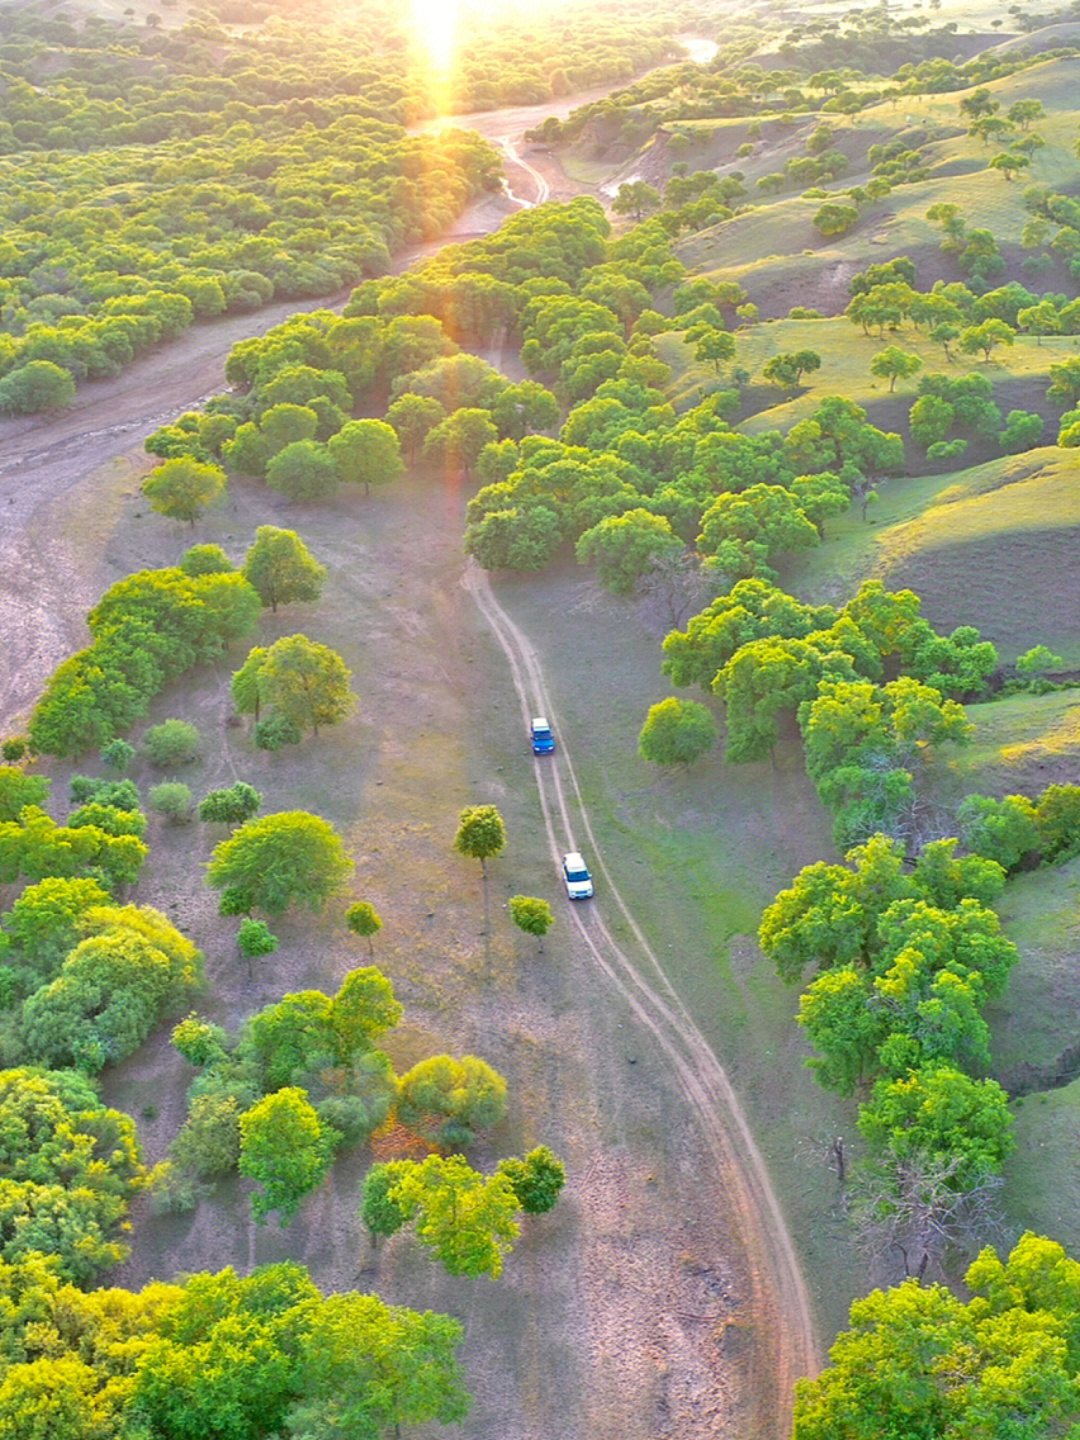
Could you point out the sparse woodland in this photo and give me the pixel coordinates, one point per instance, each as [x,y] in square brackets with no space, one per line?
[794,400]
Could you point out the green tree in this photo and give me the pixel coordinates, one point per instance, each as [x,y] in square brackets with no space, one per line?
[412,417]
[286,1150]
[788,369]
[677,732]
[43,924]
[244,686]
[232,806]
[916,1361]
[364,1367]
[1004,830]
[532,915]
[254,939]
[1064,384]
[36,386]
[306,682]
[282,858]
[986,337]
[70,1168]
[456,442]
[379,1212]
[367,452]
[465,1218]
[537,1179]
[363,919]
[834,219]
[1023,431]
[18,789]
[714,347]
[939,1113]
[1008,163]
[894,364]
[481,834]
[304,470]
[623,547]
[448,1100]
[282,569]
[634,198]
[181,489]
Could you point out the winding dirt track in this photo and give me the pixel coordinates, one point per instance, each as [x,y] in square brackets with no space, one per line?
[780,1296]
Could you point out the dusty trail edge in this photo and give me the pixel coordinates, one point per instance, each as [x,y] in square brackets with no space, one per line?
[785,1345]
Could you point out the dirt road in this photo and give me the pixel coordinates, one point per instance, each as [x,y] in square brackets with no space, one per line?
[779,1290]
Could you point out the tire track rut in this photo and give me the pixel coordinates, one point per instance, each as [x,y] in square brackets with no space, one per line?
[785,1346]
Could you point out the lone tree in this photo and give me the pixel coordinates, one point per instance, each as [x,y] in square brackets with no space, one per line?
[532,915]
[894,364]
[232,806]
[634,198]
[182,488]
[465,1218]
[281,568]
[480,834]
[306,682]
[278,859]
[788,369]
[363,920]
[255,939]
[677,732]
[537,1179]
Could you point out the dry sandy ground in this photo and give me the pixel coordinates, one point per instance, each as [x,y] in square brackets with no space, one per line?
[648,1304]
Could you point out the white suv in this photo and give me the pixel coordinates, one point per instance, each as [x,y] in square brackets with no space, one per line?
[579,884]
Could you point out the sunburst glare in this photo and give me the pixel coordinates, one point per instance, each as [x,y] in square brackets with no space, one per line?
[434,26]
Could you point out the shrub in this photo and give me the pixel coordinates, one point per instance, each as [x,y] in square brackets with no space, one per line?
[173,742]
[173,800]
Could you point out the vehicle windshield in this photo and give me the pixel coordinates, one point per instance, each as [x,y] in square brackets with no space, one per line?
[577,874]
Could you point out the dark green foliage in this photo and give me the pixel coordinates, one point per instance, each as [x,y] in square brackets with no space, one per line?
[379,1212]
[537,1179]
[276,731]
[113,987]
[233,806]
[117,755]
[173,800]
[118,794]
[38,385]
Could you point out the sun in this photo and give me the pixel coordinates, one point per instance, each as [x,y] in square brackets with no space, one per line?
[434,27]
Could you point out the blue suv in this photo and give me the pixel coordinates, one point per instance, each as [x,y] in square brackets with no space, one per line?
[543,741]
